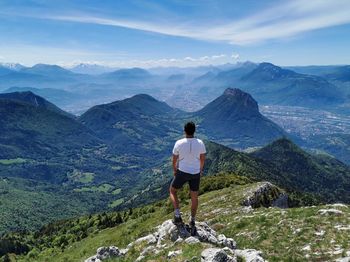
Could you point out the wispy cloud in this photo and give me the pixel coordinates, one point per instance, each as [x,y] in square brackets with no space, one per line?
[285,20]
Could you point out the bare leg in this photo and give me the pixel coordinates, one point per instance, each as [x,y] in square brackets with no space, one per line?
[173,197]
[194,203]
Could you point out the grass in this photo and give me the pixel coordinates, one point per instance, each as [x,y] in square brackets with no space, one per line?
[13,161]
[116,191]
[102,188]
[82,177]
[282,234]
[117,202]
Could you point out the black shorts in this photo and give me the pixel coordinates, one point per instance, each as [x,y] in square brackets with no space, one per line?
[181,178]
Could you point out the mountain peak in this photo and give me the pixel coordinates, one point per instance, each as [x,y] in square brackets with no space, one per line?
[240,99]
[235,114]
[234,92]
[32,99]
[268,72]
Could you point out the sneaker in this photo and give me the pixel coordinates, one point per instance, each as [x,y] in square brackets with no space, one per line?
[177,220]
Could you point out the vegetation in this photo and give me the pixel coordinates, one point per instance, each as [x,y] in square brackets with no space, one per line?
[271,230]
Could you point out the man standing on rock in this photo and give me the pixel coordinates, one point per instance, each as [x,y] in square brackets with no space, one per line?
[188,163]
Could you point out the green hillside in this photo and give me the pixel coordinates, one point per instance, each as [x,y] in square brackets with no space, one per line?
[321,178]
[316,233]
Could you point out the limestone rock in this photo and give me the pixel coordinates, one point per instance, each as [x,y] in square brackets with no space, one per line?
[172,254]
[266,195]
[215,255]
[149,239]
[192,240]
[331,211]
[250,255]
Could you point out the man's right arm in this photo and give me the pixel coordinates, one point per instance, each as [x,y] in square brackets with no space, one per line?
[202,160]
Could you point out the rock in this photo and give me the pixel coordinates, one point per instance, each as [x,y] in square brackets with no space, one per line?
[92,259]
[281,201]
[331,211]
[204,232]
[267,195]
[140,258]
[167,228]
[168,231]
[179,240]
[104,253]
[343,259]
[215,255]
[250,255]
[123,251]
[192,240]
[172,254]
[149,239]
[227,242]
[148,250]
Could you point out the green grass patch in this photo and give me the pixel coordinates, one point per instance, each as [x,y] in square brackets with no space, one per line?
[117,191]
[13,161]
[117,202]
[82,177]
[102,188]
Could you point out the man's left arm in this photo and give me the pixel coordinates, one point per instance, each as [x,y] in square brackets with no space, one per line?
[175,159]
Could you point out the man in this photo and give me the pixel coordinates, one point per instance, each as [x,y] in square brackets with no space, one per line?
[188,163]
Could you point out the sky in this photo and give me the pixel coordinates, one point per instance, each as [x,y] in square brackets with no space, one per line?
[152,33]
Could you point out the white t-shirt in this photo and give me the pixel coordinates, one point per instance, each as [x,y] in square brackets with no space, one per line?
[189,151]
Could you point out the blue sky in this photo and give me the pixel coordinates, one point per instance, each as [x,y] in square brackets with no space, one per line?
[174,33]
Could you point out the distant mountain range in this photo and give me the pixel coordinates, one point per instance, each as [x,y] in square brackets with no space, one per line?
[268,83]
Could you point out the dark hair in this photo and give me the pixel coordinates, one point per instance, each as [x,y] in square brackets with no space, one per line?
[190,128]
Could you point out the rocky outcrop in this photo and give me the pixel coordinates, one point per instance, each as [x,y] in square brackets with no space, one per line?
[167,235]
[216,255]
[266,194]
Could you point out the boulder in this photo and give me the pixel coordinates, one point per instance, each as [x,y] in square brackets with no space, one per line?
[266,194]
[250,255]
[331,211]
[216,255]
[192,240]
[104,253]
[172,254]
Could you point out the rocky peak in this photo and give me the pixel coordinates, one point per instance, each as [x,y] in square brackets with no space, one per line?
[241,98]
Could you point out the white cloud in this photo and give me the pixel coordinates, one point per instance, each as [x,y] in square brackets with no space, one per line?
[235,56]
[180,62]
[285,20]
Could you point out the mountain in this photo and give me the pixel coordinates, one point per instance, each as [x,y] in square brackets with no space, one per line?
[341,74]
[12,66]
[34,100]
[336,144]
[128,74]
[59,97]
[274,85]
[321,174]
[4,70]
[133,124]
[235,118]
[33,127]
[47,70]
[91,69]
[316,177]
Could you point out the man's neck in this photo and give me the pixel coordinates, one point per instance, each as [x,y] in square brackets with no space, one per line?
[187,136]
